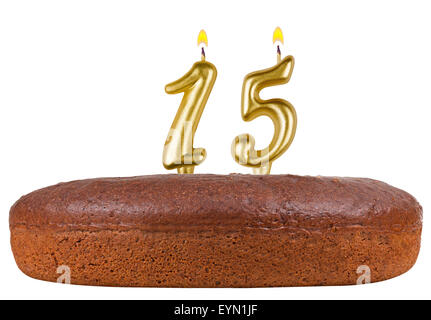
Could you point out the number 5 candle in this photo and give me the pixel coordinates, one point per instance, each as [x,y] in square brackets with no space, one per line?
[196,85]
[280,111]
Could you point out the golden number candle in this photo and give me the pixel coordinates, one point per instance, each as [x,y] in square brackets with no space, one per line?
[196,85]
[280,111]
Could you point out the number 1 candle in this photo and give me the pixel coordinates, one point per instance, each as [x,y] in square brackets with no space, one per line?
[196,85]
[280,111]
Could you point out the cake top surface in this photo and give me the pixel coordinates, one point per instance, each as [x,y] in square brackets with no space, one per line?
[176,202]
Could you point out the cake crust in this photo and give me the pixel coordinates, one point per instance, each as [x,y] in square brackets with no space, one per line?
[216,231]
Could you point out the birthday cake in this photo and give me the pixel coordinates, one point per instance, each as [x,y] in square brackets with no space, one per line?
[216,231]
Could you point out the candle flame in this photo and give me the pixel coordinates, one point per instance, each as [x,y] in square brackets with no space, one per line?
[277,36]
[202,38]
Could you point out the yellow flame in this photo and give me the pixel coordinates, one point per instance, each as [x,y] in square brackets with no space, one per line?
[277,36]
[202,38]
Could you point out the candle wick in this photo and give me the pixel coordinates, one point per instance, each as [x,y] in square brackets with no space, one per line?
[203,54]
[278,54]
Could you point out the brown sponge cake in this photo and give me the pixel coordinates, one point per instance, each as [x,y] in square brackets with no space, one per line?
[216,231]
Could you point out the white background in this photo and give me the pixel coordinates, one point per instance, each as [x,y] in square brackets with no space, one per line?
[82,95]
